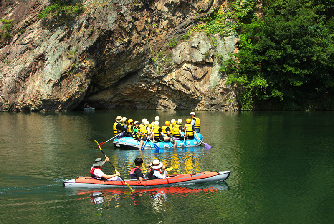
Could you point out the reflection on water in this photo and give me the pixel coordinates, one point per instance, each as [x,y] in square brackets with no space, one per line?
[280,163]
[157,198]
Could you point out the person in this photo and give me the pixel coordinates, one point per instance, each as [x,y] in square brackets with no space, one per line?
[136,130]
[129,130]
[136,173]
[195,122]
[189,129]
[177,129]
[166,135]
[124,125]
[117,127]
[156,131]
[157,170]
[97,173]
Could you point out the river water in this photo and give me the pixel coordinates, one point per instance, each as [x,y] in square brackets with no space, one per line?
[281,167]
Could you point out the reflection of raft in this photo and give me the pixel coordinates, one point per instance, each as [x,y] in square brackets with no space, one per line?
[131,143]
[171,180]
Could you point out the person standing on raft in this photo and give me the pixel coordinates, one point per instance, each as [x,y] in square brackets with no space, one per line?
[97,173]
[195,122]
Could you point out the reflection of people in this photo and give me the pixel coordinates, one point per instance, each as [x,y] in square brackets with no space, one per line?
[136,172]
[97,173]
[157,170]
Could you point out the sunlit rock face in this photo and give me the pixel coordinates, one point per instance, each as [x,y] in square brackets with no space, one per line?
[115,54]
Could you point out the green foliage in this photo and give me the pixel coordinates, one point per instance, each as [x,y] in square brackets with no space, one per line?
[225,20]
[287,53]
[57,9]
[172,43]
[6,29]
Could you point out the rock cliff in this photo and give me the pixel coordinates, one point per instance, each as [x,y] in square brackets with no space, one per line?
[114,54]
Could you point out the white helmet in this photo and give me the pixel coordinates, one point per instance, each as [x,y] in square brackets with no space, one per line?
[172,121]
[156,118]
[179,121]
[156,123]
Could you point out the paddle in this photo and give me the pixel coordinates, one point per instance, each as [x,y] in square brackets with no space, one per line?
[102,143]
[112,164]
[207,146]
[142,148]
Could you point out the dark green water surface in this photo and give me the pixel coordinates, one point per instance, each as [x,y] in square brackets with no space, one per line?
[281,167]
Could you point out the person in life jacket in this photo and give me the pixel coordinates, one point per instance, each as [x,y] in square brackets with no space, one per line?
[97,173]
[157,170]
[165,134]
[136,130]
[117,127]
[177,129]
[124,125]
[195,122]
[189,129]
[129,129]
[156,131]
[136,173]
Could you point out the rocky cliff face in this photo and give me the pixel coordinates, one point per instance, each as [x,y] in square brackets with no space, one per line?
[115,54]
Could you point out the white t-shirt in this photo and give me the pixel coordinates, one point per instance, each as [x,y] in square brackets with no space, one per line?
[99,173]
[159,175]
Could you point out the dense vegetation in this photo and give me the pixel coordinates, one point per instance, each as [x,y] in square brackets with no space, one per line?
[286,57]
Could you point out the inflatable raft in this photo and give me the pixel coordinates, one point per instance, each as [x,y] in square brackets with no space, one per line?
[131,143]
[89,182]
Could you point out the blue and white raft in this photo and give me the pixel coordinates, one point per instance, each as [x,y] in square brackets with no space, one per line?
[131,143]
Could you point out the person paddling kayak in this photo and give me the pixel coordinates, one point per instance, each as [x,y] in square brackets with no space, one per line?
[97,173]
[136,173]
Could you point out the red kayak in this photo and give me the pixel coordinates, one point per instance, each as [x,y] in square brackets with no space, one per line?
[202,177]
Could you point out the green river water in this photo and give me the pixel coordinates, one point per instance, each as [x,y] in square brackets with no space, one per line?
[281,165]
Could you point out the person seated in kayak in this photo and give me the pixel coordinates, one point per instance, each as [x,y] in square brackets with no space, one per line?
[97,173]
[157,170]
[136,173]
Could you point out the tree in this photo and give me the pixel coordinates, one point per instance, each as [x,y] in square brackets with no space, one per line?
[285,58]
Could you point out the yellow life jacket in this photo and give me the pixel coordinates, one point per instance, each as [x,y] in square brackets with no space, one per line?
[197,122]
[175,130]
[143,129]
[116,132]
[130,128]
[189,131]
[164,129]
[156,131]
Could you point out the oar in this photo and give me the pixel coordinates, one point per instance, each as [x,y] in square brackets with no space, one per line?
[112,164]
[207,146]
[102,143]
[142,148]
